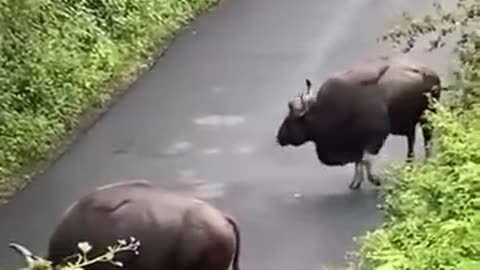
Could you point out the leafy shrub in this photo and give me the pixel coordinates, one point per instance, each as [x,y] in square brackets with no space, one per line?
[433,209]
[58,59]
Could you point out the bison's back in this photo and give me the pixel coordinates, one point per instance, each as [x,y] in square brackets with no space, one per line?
[406,83]
[152,216]
[405,80]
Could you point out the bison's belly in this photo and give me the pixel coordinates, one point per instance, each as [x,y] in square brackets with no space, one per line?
[339,160]
[339,154]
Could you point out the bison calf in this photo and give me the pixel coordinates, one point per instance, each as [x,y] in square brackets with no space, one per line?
[175,231]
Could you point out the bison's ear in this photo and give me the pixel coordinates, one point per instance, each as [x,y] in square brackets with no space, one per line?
[309,87]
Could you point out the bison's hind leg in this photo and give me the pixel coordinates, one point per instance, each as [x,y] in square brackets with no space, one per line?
[427,132]
[374,179]
[411,145]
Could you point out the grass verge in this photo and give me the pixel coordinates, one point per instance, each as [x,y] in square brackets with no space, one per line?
[62,63]
[432,209]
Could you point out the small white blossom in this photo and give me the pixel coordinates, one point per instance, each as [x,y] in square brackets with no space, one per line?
[85,247]
[122,242]
[109,256]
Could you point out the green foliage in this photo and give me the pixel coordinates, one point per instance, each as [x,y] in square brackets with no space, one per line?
[432,209]
[441,24]
[58,59]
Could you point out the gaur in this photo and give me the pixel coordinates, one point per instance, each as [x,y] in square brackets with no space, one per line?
[176,231]
[342,129]
[352,111]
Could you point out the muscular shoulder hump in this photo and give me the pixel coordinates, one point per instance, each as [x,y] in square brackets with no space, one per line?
[111,197]
[133,182]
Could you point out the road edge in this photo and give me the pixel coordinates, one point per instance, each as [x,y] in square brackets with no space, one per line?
[119,86]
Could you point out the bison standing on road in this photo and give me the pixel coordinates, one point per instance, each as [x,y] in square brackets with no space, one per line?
[343,121]
[175,231]
[354,111]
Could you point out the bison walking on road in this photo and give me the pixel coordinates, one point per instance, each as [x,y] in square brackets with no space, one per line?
[354,111]
[175,231]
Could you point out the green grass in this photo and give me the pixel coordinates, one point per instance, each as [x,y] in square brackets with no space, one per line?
[432,208]
[61,58]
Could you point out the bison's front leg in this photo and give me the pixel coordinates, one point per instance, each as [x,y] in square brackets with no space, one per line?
[375,180]
[357,177]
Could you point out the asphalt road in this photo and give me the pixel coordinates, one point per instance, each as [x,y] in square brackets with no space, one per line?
[209,110]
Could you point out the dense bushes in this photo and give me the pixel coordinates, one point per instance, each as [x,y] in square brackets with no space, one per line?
[433,208]
[60,57]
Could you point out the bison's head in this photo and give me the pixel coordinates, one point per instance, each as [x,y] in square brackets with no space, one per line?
[294,130]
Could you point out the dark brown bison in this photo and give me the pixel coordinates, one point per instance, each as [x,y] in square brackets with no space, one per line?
[354,111]
[176,231]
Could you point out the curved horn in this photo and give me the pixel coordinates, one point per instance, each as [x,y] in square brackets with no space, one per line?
[24,252]
[20,250]
[308,83]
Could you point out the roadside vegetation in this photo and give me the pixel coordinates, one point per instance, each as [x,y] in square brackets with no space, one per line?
[82,259]
[432,208]
[60,59]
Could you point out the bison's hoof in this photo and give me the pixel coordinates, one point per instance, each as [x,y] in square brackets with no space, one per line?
[355,184]
[375,180]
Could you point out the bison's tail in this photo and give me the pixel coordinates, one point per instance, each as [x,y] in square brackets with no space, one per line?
[437,89]
[426,125]
[236,230]
[436,92]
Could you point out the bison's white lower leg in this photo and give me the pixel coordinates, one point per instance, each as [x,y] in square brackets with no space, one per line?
[367,161]
[358,176]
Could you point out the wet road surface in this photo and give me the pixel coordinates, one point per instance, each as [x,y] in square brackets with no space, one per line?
[209,110]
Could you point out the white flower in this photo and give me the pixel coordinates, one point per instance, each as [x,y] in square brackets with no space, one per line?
[85,247]
[122,242]
[109,256]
